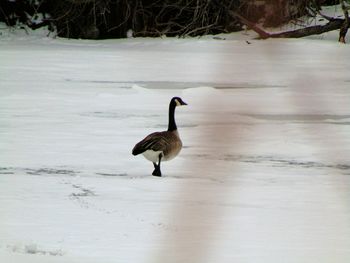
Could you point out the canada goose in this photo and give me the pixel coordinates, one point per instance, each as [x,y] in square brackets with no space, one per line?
[162,146]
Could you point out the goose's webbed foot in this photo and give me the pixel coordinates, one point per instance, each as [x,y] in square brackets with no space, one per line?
[157,172]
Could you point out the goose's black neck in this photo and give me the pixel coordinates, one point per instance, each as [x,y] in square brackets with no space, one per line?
[172,124]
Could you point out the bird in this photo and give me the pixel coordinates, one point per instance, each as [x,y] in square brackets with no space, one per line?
[162,146]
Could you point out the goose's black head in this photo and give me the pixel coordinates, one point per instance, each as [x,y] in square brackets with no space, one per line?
[177,101]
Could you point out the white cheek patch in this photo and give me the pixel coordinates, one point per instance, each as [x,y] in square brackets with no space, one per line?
[177,103]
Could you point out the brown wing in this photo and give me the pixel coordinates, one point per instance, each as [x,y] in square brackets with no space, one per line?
[156,141]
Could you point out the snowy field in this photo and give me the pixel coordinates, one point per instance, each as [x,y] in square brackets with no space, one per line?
[264,175]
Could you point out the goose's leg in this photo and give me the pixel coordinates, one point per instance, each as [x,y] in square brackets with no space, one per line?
[157,171]
[160,158]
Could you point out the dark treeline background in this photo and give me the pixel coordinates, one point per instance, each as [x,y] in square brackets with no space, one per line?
[98,19]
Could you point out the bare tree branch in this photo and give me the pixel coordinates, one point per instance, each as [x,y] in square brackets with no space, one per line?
[333,24]
[345,25]
[262,33]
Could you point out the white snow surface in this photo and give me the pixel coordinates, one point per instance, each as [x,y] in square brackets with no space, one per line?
[264,175]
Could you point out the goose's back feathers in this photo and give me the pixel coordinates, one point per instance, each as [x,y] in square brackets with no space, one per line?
[166,143]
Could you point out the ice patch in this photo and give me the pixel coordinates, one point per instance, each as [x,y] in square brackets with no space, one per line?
[202,96]
[82,191]
[33,248]
[141,90]
[201,91]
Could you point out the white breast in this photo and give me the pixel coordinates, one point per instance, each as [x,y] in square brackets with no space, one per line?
[152,155]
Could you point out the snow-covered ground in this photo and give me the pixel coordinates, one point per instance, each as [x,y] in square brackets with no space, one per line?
[264,175]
